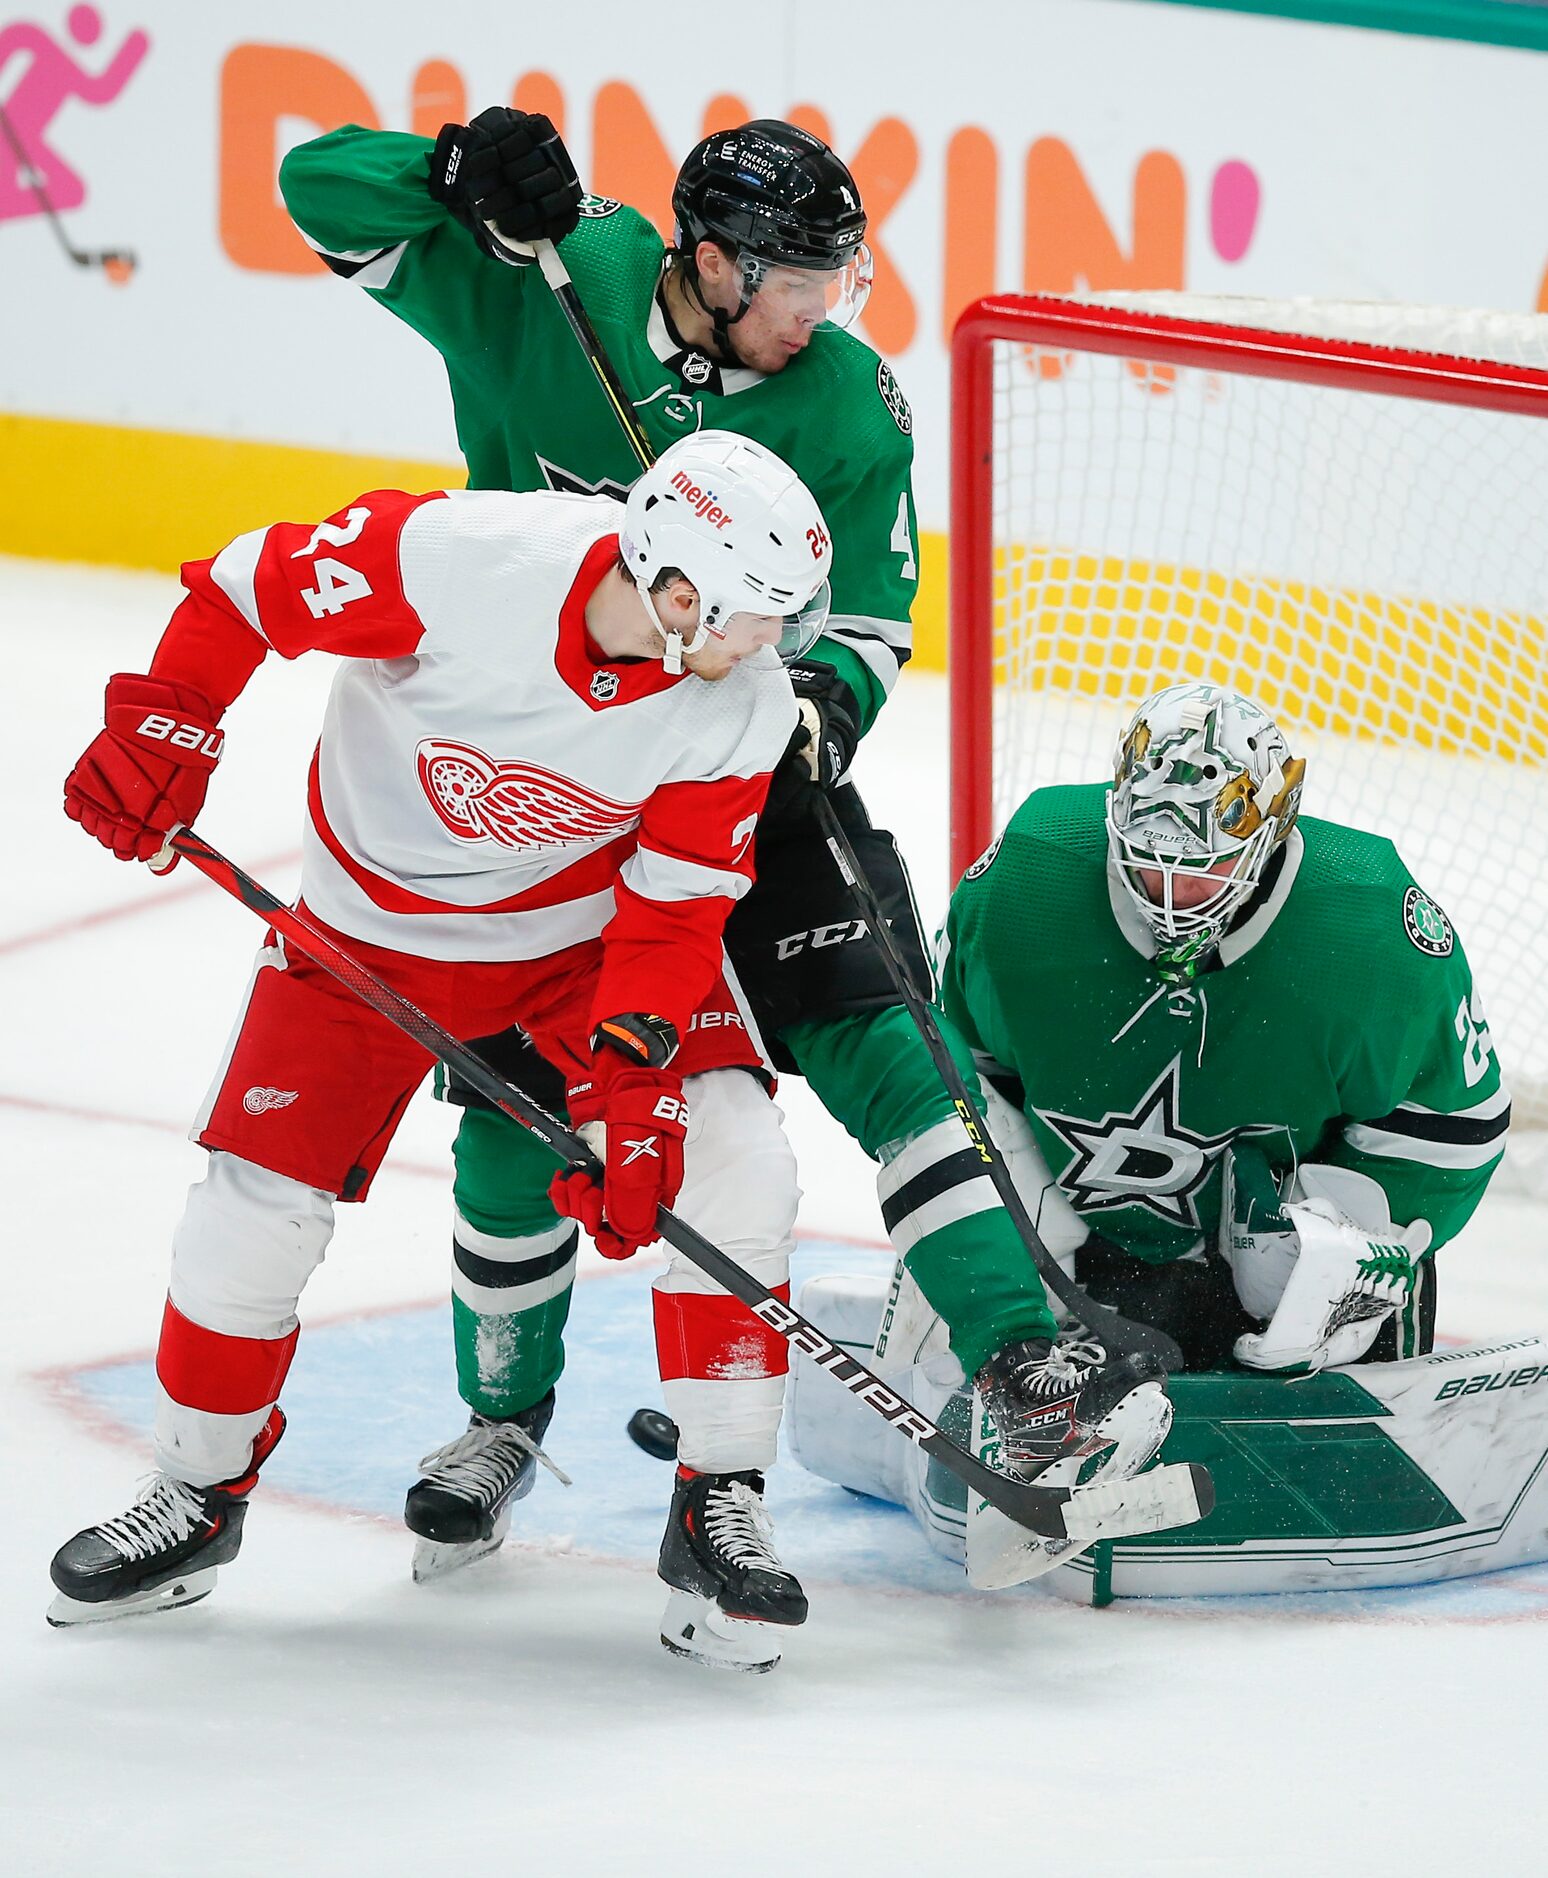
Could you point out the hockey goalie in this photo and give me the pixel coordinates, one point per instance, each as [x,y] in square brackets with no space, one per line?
[1244,1082]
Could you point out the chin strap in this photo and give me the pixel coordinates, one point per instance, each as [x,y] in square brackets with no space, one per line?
[676,645]
[717,316]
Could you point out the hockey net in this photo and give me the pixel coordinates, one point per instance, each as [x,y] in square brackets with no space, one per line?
[1341,510]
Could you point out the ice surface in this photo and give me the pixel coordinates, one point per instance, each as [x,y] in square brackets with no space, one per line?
[321,1714]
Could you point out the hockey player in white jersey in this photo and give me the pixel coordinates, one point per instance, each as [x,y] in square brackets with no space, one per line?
[533,801]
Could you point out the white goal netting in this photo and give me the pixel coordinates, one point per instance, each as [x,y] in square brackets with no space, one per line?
[1372,568]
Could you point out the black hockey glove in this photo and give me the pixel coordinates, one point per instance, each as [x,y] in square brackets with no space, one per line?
[510,168]
[829,731]
[822,745]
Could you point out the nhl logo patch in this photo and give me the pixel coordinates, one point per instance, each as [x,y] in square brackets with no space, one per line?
[595,207]
[892,397]
[604,686]
[697,369]
[1427,926]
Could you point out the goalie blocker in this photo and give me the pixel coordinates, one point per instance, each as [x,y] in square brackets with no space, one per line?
[1381,1475]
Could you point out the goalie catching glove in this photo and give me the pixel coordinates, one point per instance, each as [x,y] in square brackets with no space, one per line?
[508,179]
[632,1116]
[1343,1288]
[148,770]
[1321,1261]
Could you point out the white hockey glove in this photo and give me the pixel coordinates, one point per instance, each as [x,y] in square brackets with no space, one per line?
[1343,1287]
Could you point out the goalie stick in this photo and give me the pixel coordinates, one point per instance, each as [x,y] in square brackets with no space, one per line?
[1167,1496]
[117,263]
[1119,1334]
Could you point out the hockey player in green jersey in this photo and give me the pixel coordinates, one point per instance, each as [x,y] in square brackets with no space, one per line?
[738,325]
[1269,1044]
[1243,1079]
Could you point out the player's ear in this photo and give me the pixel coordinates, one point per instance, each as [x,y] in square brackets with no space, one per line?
[682,603]
[711,261]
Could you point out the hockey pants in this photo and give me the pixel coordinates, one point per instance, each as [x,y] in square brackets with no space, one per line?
[514,1259]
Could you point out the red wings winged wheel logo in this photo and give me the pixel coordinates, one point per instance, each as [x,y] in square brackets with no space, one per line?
[517,804]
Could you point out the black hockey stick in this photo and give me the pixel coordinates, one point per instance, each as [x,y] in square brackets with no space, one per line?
[1175,1495]
[117,263]
[558,277]
[1117,1333]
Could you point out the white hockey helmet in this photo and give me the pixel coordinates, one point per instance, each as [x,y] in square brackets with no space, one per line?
[738,523]
[1204,785]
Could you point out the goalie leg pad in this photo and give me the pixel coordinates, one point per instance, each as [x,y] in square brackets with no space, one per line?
[831,1435]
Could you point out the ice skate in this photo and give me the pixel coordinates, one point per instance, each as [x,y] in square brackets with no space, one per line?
[1067,1414]
[1064,1414]
[162,1553]
[729,1590]
[460,1508]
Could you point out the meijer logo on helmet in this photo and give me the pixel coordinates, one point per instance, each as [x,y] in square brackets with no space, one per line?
[701,501]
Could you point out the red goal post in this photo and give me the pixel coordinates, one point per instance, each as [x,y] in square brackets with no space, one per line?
[1340,509]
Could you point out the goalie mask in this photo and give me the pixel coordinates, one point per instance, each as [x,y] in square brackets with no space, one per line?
[735,520]
[1205,789]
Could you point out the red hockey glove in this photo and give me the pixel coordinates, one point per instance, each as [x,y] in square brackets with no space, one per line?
[149,769]
[631,1113]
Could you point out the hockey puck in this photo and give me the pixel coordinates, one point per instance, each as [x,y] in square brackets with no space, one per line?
[655,1432]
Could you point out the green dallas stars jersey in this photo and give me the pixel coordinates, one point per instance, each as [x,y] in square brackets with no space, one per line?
[1341,1026]
[530,415]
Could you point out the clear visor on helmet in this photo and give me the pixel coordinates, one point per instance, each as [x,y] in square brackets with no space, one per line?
[835,294]
[791,634]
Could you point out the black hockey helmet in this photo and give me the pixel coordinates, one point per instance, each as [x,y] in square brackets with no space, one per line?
[773,191]
[776,196]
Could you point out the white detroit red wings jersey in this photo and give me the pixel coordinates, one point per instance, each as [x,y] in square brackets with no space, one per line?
[486,785]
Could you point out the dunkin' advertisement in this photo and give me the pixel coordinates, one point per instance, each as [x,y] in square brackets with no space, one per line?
[168,339]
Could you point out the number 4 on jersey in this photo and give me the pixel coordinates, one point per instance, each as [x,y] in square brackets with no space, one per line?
[337,584]
[902,541]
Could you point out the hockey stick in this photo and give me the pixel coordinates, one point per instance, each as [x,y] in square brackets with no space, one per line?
[1117,1333]
[117,263]
[558,277]
[1168,1496]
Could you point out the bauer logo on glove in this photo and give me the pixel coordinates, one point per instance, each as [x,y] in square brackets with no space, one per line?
[631,1113]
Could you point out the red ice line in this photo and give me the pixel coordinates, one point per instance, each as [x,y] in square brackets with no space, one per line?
[168,896]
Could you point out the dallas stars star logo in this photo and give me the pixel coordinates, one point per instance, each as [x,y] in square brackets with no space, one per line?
[1178,797]
[1143,1158]
[567,483]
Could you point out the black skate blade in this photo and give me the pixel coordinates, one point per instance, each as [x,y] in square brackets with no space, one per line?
[65,1613]
[698,1631]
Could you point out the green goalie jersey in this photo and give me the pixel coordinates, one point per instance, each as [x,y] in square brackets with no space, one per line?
[1339,1025]
[530,415]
